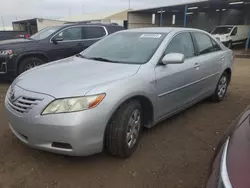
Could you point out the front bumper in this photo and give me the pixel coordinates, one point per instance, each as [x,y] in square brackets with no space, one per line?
[77,134]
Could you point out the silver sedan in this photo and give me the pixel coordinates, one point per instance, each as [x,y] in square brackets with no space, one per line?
[103,97]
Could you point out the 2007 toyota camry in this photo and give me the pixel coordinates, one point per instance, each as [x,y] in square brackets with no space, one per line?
[104,96]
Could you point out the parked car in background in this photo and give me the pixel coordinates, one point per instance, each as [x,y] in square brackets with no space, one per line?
[231,35]
[231,165]
[50,44]
[104,96]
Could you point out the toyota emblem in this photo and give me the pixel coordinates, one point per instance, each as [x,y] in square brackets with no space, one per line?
[12,94]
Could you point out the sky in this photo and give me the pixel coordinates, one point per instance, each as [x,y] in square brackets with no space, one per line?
[11,10]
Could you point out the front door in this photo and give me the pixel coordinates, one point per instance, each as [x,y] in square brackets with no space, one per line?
[72,43]
[176,83]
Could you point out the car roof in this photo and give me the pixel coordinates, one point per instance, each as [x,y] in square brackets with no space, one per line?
[90,24]
[161,29]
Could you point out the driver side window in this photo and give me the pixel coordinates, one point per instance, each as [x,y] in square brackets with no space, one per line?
[73,33]
[182,43]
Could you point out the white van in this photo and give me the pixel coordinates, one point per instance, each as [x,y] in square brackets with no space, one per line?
[231,35]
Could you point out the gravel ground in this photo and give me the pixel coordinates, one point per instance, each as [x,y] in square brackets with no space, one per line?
[174,154]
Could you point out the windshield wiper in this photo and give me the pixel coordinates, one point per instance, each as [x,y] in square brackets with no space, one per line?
[98,59]
[101,59]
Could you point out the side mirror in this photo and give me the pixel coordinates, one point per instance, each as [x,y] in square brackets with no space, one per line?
[173,58]
[55,40]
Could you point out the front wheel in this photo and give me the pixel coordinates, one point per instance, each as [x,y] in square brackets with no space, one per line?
[221,88]
[230,45]
[123,131]
[29,63]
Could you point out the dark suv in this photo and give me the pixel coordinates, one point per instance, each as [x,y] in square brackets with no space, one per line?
[50,44]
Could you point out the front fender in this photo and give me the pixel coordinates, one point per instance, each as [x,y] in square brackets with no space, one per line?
[119,92]
[20,56]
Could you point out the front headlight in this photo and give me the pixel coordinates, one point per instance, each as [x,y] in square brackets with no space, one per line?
[6,52]
[73,104]
[224,181]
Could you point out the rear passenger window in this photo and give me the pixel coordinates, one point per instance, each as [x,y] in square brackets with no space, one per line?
[92,32]
[182,43]
[204,43]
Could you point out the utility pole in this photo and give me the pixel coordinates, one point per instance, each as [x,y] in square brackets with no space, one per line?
[129,4]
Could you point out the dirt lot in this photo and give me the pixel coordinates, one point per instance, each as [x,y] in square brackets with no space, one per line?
[176,153]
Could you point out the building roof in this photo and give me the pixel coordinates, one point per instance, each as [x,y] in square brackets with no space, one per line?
[100,16]
[181,4]
[203,3]
[34,20]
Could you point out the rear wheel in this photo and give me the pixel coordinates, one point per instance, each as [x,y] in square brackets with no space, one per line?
[123,131]
[29,63]
[221,88]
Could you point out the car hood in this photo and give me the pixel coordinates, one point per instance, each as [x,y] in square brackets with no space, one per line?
[14,41]
[73,76]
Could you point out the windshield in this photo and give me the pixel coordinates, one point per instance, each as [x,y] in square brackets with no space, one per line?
[222,30]
[44,33]
[125,47]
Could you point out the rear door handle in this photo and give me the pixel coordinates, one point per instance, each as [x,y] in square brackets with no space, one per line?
[197,65]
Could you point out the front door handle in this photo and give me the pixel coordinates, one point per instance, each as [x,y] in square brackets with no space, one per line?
[222,57]
[197,65]
[79,44]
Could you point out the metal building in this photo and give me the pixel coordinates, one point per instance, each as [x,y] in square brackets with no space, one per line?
[203,15]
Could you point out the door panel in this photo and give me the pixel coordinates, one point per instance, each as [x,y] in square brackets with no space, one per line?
[176,86]
[177,83]
[65,49]
[210,66]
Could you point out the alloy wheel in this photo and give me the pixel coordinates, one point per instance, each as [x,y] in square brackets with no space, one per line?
[134,126]
[222,86]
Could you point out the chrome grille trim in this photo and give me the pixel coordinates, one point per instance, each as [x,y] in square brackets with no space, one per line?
[23,103]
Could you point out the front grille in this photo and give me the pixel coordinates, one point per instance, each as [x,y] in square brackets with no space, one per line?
[22,104]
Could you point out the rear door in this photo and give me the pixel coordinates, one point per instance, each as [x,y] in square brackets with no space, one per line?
[92,34]
[177,83]
[71,44]
[210,59]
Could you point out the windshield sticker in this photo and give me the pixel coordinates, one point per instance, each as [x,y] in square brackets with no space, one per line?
[155,36]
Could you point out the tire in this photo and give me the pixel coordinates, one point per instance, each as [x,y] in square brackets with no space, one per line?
[221,88]
[230,45]
[28,63]
[120,132]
